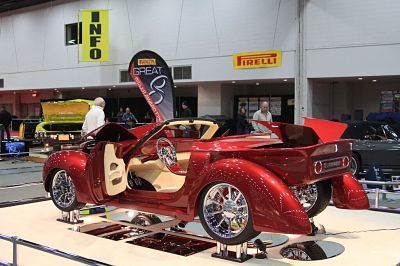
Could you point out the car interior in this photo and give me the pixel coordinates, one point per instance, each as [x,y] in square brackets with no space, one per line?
[146,170]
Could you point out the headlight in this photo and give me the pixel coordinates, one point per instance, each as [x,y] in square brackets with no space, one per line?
[40,134]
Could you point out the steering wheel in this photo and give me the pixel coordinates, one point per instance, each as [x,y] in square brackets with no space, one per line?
[166,152]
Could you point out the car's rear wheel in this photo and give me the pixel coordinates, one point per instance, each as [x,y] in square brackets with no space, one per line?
[63,192]
[314,197]
[355,165]
[225,214]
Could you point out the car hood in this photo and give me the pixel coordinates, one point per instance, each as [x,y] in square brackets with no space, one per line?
[73,110]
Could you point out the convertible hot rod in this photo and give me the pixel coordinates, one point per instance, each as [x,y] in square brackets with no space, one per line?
[237,185]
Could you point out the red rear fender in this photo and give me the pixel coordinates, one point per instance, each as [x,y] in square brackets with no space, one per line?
[273,206]
[348,193]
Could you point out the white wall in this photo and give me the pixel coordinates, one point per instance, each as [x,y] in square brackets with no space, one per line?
[203,34]
[209,99]
[352,38]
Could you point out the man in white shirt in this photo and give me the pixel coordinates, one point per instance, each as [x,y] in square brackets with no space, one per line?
[95,117]
[264,115]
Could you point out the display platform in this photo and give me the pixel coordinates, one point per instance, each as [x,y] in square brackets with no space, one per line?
[368,238]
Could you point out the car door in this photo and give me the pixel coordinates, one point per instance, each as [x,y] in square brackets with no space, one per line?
[107,170]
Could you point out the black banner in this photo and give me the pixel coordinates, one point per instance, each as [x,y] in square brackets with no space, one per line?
[153,77]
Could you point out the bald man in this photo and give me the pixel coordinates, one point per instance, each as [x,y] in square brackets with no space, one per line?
[95,117]
[264,115]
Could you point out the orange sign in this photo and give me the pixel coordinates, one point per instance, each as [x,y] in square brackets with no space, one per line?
[258,59]
[146,61]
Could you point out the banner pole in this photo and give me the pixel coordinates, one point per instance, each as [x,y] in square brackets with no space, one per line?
[79,30]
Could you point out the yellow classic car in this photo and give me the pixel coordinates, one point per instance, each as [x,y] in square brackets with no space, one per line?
[63,121]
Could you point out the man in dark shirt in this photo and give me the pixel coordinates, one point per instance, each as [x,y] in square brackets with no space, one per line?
[5,119]
[186,112]
[129,119]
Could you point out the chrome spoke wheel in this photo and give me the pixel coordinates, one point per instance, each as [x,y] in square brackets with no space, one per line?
[307,195]
[63,189]
[226,211]
[353,166]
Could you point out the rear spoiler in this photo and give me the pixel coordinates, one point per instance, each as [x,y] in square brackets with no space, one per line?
[325,129]
[313,132]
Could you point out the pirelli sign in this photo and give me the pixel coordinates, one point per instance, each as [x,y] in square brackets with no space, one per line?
[258,59]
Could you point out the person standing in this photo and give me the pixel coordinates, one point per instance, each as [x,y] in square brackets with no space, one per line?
[5,119]
[120,114]
[129,118]
[186,112]
[264,115]
[242,126]
[95,117]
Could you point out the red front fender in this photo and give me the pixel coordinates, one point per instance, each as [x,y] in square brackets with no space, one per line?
[74,162]
[348,193]
[273,206]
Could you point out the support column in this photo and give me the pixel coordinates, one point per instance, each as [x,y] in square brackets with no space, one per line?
[16,110]
[303,95]
[209,99]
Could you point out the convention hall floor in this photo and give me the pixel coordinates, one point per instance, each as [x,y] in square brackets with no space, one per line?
[369,238]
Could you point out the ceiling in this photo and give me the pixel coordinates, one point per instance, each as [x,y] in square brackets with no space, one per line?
[8,5]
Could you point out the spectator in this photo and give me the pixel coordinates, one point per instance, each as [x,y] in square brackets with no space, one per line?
[95,117]
[5,119]
[186,112]
[149,118]
[120,114]
[242,126]
[264,115]
[129,118]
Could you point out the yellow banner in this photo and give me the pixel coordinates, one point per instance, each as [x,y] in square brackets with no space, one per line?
[271,58]
[94,35]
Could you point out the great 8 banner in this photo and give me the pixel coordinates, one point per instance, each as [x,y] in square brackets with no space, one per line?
[153,77]
[94,35]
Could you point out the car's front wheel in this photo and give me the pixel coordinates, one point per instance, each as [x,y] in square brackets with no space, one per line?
[225,214]
[314,197]
[63,192]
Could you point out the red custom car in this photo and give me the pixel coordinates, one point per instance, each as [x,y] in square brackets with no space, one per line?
[237,185]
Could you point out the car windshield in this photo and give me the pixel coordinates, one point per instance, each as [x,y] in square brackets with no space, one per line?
[390,133]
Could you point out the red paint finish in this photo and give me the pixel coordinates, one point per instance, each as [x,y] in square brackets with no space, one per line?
[263,169]
[273,205]
[74,162]
[348,193]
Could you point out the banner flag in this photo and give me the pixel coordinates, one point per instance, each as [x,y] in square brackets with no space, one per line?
[95,35]
[153,77]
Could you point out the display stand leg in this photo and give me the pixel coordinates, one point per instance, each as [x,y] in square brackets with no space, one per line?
[71,217]
[239,255]
[316,230]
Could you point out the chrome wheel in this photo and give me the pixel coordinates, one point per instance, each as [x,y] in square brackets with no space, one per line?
[225,211]
[63,190]
[307,195]
[353,166]
[295,254]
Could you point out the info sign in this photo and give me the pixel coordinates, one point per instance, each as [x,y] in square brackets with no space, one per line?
[95,35]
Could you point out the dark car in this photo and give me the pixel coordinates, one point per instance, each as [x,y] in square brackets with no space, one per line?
[390,118]
[375,143]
